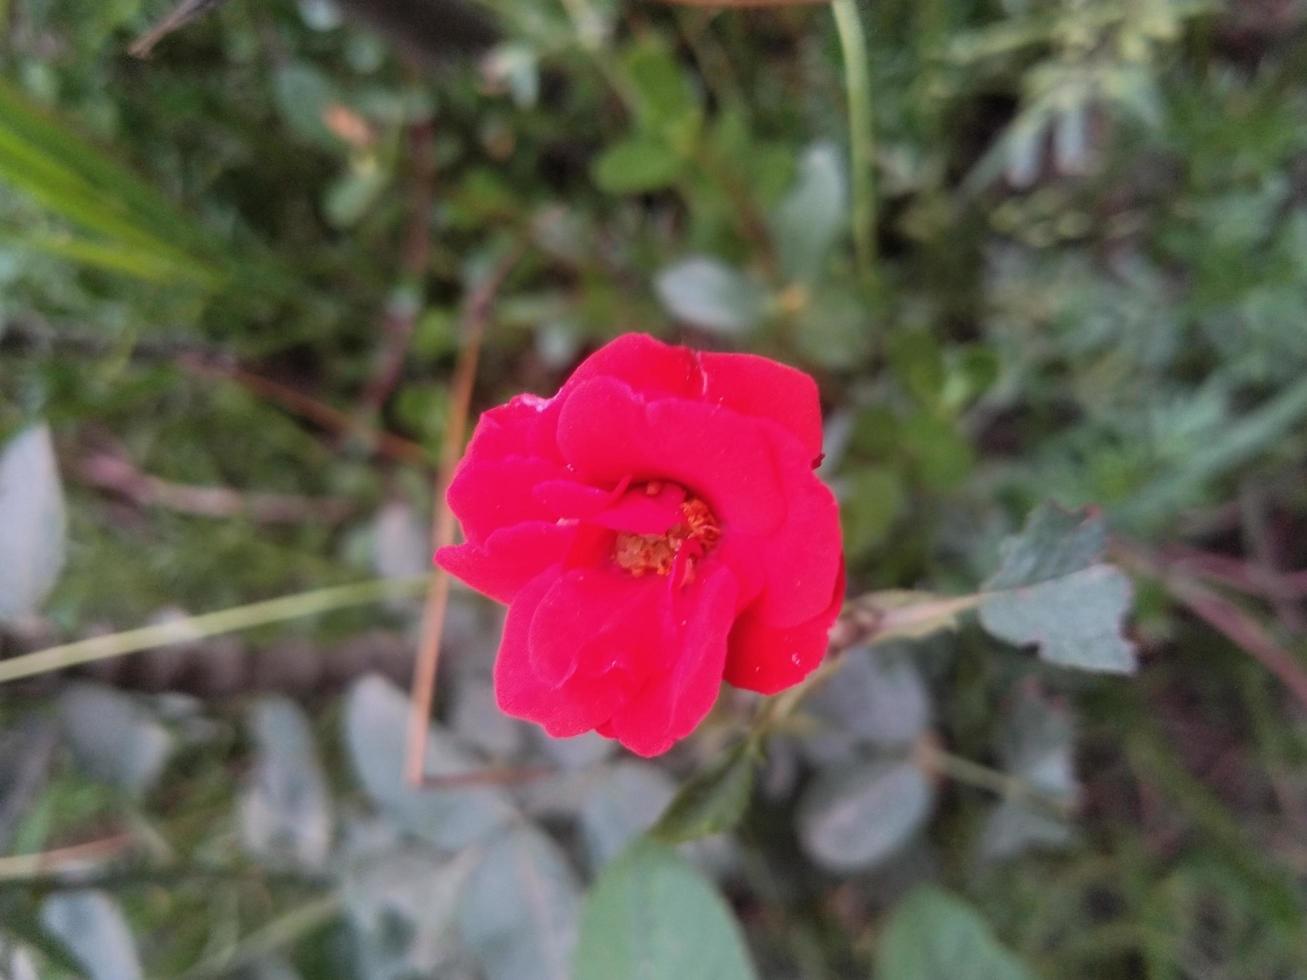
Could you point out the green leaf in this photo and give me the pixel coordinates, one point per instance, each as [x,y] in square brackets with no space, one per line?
[879,699]
[713,800]
[376,719]
[1074,621]
[637,164]
[27,746]
[1054,543]
[932,935]
[114,737]
[303,95]
[94,930]
[20,912]
[1052,592]
[352,194]
[813,214]
[853,819]
[519,911]
[403,908]
[871,498]
[620,805]
[651,916]
[33,523]
[1037,746]
[46,160]
[285,811]
[666,103]
[836,329]
[712,295]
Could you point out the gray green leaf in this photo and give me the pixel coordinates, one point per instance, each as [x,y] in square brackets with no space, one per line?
[651,916]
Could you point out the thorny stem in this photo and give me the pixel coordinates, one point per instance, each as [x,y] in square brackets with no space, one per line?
[193,628]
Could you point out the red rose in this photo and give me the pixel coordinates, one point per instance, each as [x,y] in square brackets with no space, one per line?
[655,527]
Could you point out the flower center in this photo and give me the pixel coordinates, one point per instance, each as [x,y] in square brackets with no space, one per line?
[683,544]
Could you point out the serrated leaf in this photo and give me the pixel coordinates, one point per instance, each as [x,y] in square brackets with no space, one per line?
[114,737]
[853,819]
[712,801]
[33,522]
[1074,621]
[620,805]
[651,916]
[813,214]
[1050,591]
[932,935]
[92,927]
[285,811]
[376,716]
[712,295]
[635,165]
[519,912]
[1053,543]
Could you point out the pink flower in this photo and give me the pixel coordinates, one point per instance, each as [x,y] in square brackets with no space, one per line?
[655,527]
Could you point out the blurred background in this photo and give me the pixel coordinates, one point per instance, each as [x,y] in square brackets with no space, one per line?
[1031,249]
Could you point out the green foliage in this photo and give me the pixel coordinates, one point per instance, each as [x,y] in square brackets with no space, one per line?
[856,818]
[1053,591]
[1029,250]
[932,934]
[651,915]
[714,800]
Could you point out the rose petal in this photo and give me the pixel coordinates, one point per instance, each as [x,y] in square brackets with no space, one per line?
[487,495]
[768,659]
[763,388]
[671,704]
[508,559]
[607,431]
[590,620]
[649,366]
[524,426]
[563,711]
[638,512]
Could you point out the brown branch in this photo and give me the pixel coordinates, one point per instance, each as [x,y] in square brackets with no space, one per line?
[306,407]
[22,866]
[1267,555]
[399,321]
[111,471]
[473,323]
[487,777]
[1234,573]
[1244,630]
[1228,618]
[174,20]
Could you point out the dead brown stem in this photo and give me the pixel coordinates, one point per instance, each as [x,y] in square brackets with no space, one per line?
[111,471]
[473,323]
[307,407]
